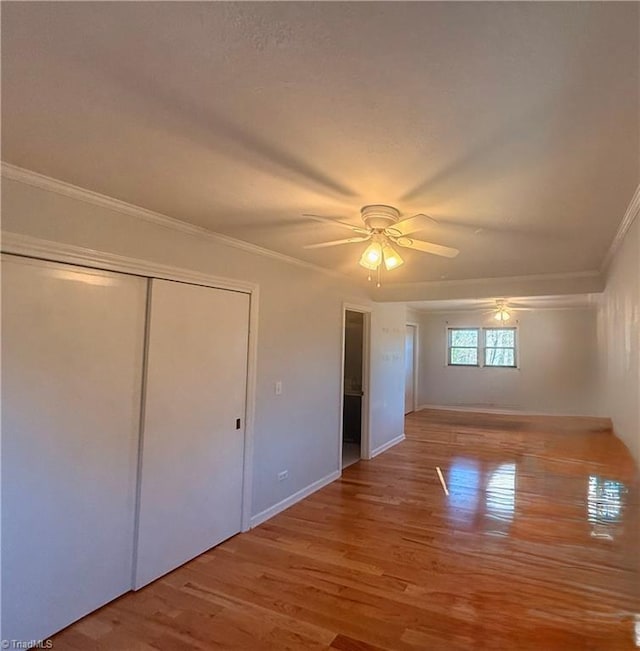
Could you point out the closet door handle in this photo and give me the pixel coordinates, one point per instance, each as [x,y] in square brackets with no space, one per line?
[237,423]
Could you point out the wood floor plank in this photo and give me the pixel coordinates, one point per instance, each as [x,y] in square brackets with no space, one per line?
[536,547]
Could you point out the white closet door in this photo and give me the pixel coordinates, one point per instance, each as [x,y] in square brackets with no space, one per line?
[192,459]
[409,348]
[72,353]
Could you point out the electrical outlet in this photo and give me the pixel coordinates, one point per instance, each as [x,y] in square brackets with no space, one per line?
[283,475]
[279,388]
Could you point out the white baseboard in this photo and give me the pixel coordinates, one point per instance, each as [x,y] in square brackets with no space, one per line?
[385,446]
[492,410]
[265,515]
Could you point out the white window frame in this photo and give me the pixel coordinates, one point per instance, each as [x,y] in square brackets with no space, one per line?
[482,361]
[514,347]
[450,329]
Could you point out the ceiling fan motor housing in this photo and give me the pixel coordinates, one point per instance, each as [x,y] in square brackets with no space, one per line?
[379,216]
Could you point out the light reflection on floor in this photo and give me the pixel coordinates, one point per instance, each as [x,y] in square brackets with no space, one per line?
[464,491]
[501,493]
[486,497]
[486,493]
[604,505]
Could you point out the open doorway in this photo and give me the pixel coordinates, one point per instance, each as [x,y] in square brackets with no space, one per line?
[354,386]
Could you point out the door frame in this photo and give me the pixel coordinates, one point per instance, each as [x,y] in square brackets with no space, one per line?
[416,357]
[33,247]
[365,440]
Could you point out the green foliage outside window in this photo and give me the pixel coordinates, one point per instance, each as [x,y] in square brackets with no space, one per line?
[496,348]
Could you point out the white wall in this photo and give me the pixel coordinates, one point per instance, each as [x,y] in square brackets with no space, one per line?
[557,373]
[619,342]
[387,372]
[299,332]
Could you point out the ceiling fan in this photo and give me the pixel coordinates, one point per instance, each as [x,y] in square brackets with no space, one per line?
[503,309]
[384,228]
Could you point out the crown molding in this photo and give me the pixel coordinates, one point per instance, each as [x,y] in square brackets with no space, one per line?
[49,184]
[573,282]
[41,249]
[633,210]
[465,282]
[489,308]
[37,180]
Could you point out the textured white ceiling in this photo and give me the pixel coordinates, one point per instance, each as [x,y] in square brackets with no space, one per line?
[515,124]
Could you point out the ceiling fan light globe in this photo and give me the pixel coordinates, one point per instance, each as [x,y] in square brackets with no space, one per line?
[372,256]
[502,315]
[392,258]
[392,263]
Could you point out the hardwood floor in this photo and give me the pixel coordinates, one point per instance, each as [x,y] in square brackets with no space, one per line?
[535,548]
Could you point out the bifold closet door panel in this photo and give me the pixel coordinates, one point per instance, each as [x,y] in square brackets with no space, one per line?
[72,355]
[192,453]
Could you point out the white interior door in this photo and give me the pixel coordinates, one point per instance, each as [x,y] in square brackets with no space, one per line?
[409,382]
[192,453]
[72,352]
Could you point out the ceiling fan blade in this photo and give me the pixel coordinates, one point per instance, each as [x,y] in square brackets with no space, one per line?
[349,240]
[337,222]
[413,223]
[427,247]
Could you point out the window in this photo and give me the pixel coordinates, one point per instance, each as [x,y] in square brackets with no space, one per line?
[500,347]
[464,346]
[488,347]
